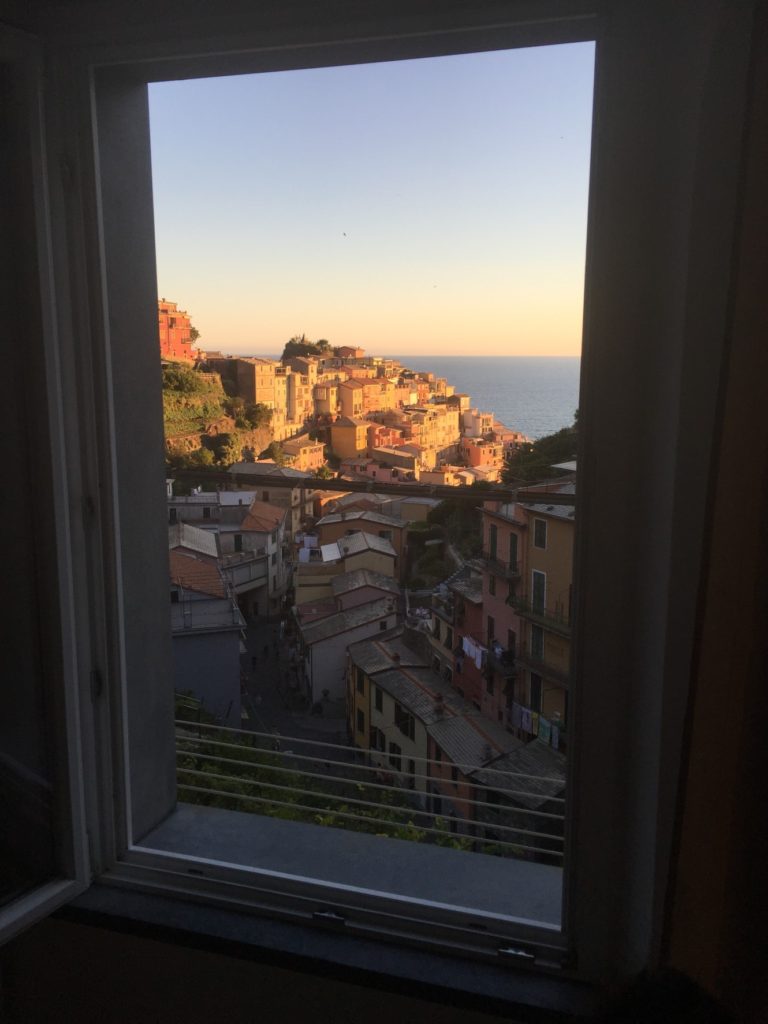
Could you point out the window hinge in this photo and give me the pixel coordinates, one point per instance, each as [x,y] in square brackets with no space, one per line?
[329,917]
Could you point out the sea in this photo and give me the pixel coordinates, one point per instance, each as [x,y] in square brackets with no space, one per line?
[537,395]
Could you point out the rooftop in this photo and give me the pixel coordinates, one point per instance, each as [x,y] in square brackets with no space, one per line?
[263,517]
[341,622]
[357,578]
[381,654]
[268,469]
[565,512]
[366,515]
[357,542]
[543,767]
[182,535]
[350,421]
[191,572]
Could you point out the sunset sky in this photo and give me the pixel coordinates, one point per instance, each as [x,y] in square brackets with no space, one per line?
[419,207]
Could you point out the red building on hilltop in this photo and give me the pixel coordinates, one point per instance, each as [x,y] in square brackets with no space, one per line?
[175,333]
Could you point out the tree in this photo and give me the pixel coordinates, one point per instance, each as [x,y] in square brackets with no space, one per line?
[258,414]
[300,345]
[182,379]
[461,521]
[534,461]
[275,452]
[324,473]
[194,334]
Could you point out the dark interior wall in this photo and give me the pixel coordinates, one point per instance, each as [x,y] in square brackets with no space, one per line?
[718,900]
[61,972]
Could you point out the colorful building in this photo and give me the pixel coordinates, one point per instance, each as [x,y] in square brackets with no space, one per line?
[174,327]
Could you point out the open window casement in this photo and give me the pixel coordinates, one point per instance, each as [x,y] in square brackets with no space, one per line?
[43,847]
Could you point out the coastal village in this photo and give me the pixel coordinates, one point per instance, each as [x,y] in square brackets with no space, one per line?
[318,595]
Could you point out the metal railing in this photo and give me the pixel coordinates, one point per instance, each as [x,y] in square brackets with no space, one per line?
[520,815]
[503,662]
[554,619]
[536,662]
[509,570]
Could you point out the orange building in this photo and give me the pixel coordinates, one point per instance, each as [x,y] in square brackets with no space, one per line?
[175,333]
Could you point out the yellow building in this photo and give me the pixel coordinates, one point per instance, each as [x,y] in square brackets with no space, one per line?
[303,453]
[541,599]
[349,436]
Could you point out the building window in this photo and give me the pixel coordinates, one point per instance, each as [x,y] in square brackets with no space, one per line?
[360,721]
[171,515]
[538,591]
[513,551]
[438,754]
[273,560]
[454,775]
[360,680]
[383,626]
[265,496]
[540,533]
[238,542]
[395,753]
[206,513]
[377,740]
[378,699]
[535,701]
[492,585]
[492,540]
[404,721]
[491,628]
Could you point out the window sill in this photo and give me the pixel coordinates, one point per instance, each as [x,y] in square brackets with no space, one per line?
[515,888]
[444,980]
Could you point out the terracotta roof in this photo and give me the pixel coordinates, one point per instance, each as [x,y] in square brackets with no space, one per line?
[193,573]
[263,517]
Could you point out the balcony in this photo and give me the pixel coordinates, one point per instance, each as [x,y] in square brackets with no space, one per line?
[507,570]
[443,607]
[554,620]
[535,662]
[502,662]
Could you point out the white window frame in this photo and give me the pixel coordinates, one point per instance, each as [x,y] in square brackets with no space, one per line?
[655,316]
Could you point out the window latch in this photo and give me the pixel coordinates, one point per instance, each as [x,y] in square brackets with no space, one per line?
[329,917]
[516,953]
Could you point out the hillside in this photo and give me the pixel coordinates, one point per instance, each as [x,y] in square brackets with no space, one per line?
[203,424]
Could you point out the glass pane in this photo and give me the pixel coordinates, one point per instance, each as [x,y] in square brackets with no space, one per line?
[441,216]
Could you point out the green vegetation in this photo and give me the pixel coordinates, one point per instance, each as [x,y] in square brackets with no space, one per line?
[191,400]
[275,452]
[198,417]
[324,473]
[257,778]
[534,461]
[300,345]
[461,521]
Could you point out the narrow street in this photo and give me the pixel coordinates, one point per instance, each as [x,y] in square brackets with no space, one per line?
[271,699]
